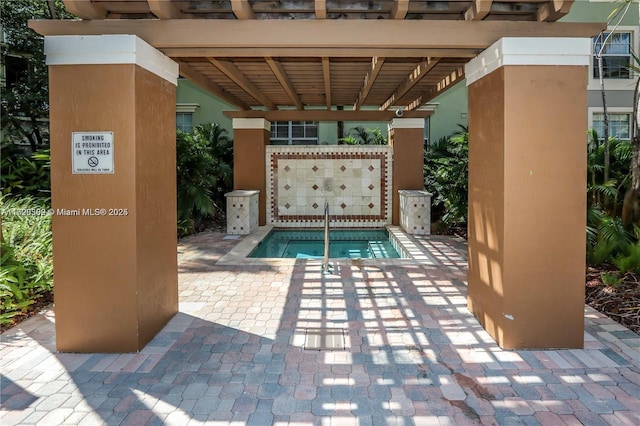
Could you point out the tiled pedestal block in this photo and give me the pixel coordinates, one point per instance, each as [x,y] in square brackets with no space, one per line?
[242,211]
[415,212]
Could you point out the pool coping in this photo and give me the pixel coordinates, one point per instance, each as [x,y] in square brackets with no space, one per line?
[404,243]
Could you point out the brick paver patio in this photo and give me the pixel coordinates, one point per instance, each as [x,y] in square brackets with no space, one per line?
[241,351]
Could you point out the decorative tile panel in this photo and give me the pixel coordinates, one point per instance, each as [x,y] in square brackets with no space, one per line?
[354,180]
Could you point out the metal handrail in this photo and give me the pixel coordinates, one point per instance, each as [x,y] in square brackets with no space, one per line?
[325,263]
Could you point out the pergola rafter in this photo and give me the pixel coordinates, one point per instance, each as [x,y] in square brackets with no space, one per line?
[478,10]
[554,10]
[85,9]
[242,9]
[321,9]
[188,72]
[369,79]
[165,9]
[399,9]
[412,79]
[280,73]
[233,73]
[326,73]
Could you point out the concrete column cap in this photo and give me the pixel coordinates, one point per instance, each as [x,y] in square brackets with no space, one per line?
[407,123]
[529,51]
[251,123]
[109,49]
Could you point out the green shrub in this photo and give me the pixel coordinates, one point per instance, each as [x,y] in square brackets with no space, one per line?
[630,260]
[362,136]
[612,279]
[446,173]
[204,174]
[22,175]
[27,260]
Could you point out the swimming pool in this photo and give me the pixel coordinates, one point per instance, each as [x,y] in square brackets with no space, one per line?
[309,244]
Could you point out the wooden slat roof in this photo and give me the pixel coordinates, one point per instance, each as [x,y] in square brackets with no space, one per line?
[289,53]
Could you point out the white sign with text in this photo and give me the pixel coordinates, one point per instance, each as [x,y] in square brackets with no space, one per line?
[92,152]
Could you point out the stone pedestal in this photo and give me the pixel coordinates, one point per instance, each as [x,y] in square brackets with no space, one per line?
[415,211]
[242,212]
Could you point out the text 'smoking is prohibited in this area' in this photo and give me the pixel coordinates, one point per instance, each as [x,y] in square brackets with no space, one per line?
[92,152]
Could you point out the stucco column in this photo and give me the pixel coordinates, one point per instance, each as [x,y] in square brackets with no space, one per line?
[527,190]
[113,183]
[250,139]
[406,136]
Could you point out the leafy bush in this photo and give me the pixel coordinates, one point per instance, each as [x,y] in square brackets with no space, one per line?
[27,260]
[630,260]
[361,136]
[446,173]
[204,174]
[22,175]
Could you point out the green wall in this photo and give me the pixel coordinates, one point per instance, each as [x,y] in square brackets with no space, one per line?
[211,107]
[451,110]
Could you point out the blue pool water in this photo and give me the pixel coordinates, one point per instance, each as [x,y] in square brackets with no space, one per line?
[309,244]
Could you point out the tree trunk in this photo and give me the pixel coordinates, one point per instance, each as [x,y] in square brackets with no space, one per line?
[53,10]
[605,179]
[631,203]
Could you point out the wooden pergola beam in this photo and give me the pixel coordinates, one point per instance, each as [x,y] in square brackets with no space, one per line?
[164,9]
[85,9]
[321,9]
[553,10]
[445,83]
[187,71]
[478,10]
[242,9]
[324,115]
[412,79]
[399,9]
[280,73]
[369,79]
[363,37]
[326,74]
[317,52]
[235,75]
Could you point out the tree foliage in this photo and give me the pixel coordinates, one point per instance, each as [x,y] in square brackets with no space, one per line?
[25,101]
[204,174]
[446,173]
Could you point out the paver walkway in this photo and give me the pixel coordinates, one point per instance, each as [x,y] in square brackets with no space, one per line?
[243,350]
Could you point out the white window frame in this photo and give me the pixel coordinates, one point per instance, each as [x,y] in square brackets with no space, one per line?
[611,110]
[186,108]
[615,83]
[289,139]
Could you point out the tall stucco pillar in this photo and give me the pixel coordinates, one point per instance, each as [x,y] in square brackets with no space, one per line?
[250,140]
[406,136]
[527,190]
[113,183]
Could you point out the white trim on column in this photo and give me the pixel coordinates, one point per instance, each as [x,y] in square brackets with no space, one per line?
[407,123]
[251,123]
[109,49]
[529,51]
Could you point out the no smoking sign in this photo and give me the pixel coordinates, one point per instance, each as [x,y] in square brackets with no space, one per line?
[92,152]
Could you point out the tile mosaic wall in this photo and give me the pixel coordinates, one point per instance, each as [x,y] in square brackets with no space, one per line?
[354,180]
